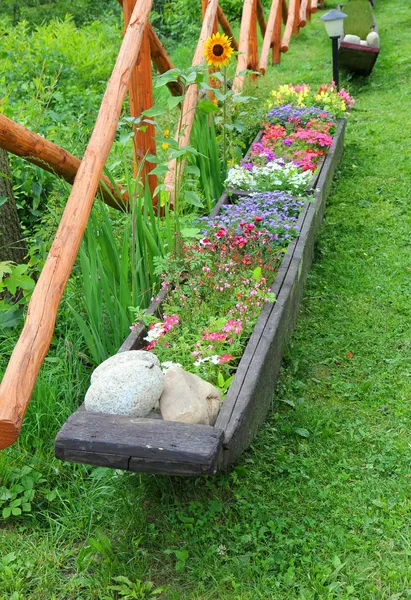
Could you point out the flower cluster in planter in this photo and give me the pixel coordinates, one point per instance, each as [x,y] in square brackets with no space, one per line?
[220,282]
[298,132]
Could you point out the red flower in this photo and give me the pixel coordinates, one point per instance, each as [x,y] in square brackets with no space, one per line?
[225,358]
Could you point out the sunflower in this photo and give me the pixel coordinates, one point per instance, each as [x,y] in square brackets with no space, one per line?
[218,50]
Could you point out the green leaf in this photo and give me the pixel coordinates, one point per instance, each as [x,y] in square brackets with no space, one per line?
[193,199]
[193,170]
[3,200]
[190,232]
[17,279]
[173,101]
[125,137]
[6,512]
[257,274]
[154,111]
[160,170]
[302,432]
[206,106]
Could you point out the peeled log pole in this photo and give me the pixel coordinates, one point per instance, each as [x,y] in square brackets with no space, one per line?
[253,42]
[22,142]
[261,18]
[314,6]
[243,45]
[161,61]
[269,35]
[289,28]
[191,97]
[203,10]
[140,94]
[284,10]
[303,13]
[226,27]
[31,348]
[278,25]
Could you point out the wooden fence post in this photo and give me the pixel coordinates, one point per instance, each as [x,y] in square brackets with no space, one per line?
[248,52]
[269,39]
[18,140]
[225,26]
[190,101]
[28,355]
[141,98]
[278,25]
[261,18]
[203,10]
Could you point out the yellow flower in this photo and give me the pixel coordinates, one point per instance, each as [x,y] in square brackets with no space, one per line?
[217,50]
[166,133]
[164,146]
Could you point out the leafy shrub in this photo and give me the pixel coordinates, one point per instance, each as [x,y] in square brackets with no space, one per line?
[36,12]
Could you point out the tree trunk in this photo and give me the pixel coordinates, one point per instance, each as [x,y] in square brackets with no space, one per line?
[12,245]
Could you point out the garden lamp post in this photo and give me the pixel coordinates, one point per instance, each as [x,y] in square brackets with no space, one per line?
[333,21]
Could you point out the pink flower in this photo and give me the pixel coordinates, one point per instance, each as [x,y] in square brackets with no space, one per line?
[233,325]
[225,358]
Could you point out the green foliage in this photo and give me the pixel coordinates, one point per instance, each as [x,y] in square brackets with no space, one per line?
[324,517]
[19,489]
[15,288]
[52,81]
[117,271]
[36,12]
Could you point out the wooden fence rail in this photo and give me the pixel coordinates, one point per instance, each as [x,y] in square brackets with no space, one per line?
[132,72]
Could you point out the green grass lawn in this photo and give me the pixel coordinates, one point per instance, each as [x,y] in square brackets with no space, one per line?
[319,517]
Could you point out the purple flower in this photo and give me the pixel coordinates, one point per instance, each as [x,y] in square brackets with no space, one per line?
[274,212]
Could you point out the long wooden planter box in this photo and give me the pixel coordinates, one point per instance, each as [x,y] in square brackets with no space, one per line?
[157,446]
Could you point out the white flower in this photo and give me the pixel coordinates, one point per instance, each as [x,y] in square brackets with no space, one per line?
[214,359]
[155,332]
[168,364]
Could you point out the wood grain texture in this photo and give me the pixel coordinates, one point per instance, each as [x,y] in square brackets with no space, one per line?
[250,395]
[249,9]
[226,27]
[183,134]
[19,140]
[358,59]
[276,53]
[120,443]
[303,12]
[155,440]
[32,346]
[284,11]
[261,18]
[140,93]
[293,12]
[269,34]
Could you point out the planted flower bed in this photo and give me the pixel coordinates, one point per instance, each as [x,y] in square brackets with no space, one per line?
[230,297]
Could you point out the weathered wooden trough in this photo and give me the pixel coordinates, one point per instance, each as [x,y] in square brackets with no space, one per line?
[156,446]
[356,58]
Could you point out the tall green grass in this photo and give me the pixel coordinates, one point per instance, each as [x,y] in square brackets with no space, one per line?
[213,172]
[117,269]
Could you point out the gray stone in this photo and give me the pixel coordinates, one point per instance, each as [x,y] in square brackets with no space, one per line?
[130,389]
[124,358]
[352,39]
[188,398]
[373,39]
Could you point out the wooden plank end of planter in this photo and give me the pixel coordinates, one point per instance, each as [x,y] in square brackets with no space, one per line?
[139,444]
